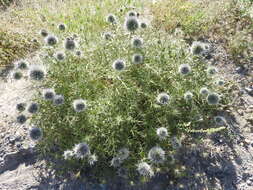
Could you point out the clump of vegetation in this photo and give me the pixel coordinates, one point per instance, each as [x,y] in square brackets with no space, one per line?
[13,46]
[124,104]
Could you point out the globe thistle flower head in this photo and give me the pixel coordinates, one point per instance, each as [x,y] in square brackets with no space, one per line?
[80,105]
[51,40]
[188,96]
[137,59]
[81,150]
[137,42]
[145,169]
[21,107]
[156,155]
[70,44]
[197,48]
[62,27]
[119,65]
[123,153]
[219,120]
[43,32]
[21,119]
[163,98]
[22,65]
[58,100]
[78,53]
[162,133]
[143,25]
[184,69]
[175,142]
[37,72]
[107,35]
[33,108]
[116,162]
[68,154]
[213,99]
[111,18]
[35,133]
[17,75]
[211,70]
[204,91]
[60,56]
[131,24]
[48,94]
[220,82]
[131,13]
[92,159]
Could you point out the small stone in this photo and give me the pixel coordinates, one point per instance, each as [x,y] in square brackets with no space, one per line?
[249,90]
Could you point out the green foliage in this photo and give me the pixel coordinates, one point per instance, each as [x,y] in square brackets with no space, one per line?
[122,107]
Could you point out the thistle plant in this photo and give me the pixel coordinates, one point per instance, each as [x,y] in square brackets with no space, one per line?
[204,91]
[162,133]
[184,69]
[62,27]
[137,59]
[33,108]
[131,24]
[60,56]
[43,32]
[119,65]
[22,65]
[21,119]
[131,13]
[137,42]
[79,105]
[145,169]
[51,40]
[213,98]
[81,150]
[21,107]
[48,94]
[58,100]
[35,133]
[156,155]
[68,154]
[188,96]
[111,18]
[163,98]
[37,72]
[70,44]
[17,75]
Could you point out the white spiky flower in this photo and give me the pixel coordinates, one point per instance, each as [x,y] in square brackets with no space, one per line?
[119,65]
[68,154]
[35,133]
[145,169]
[116,162]
[137,42]
[188,96]
[131,23]
[48,94]
[80,105]
[81,150]
[184,69]
[137,59]
[156,155]
[213,98]
[37,72]
[92,159]
[204,91]
[162,133]
[175,142]
[163,98]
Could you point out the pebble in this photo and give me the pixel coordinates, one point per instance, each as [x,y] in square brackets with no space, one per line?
[249,90]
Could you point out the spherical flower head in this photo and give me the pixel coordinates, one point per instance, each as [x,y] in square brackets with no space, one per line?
[60,56]
[143,25]
[123,153]
[68,154]
[37,72]
[163,98]
[137,42]
[211,70]
[145,169]
[111,18]
[21,107]
[43,32]
[175,142]
[107,35]
[162,133]
[22,65]
[213,99]
[204,91]
[58,100]
[48,94]
[220,82]
[131,13]
[131,24]
[184,69]
[197,48]
[188,96]
[51,40]
[80,105]
[62,27]
[33,108]
[81,150]
[156,155]
[219,120]
[116,162]
[119,65]
[70,44]
[17,75]
[21,119]
[137,59]
[92,159]
[78,53]
[35,133]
